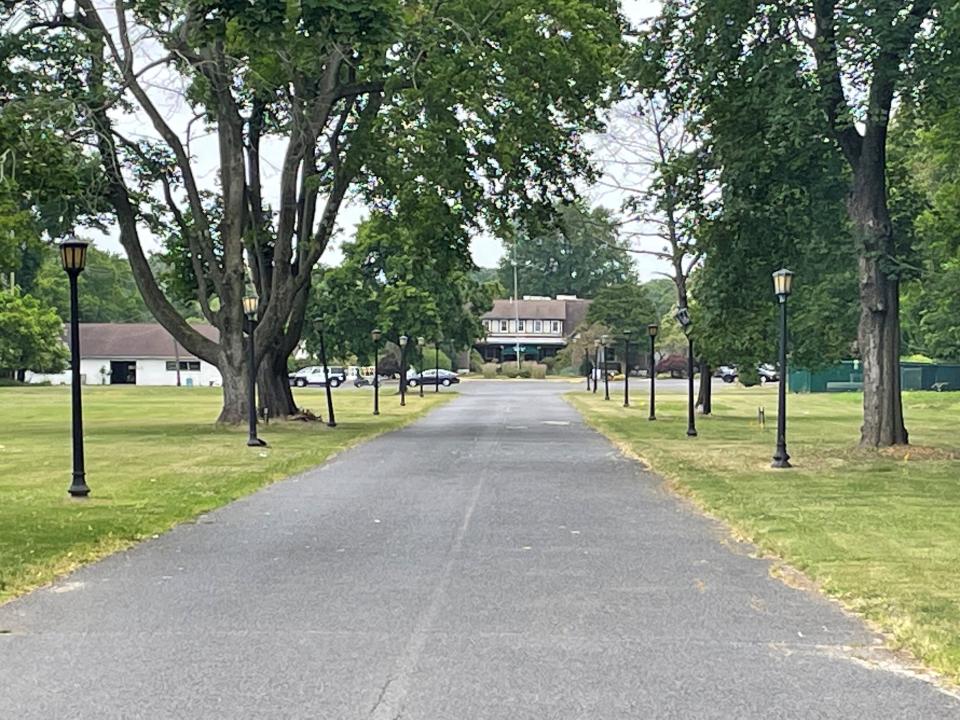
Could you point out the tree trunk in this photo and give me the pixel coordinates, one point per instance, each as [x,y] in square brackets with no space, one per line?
[879,331]
[234,410]
[705,394]
[273,385]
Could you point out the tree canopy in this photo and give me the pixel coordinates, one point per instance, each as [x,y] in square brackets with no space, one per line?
[381,99]
[30,335]
[623,308]
[577,251]
[404,275]
[850,60]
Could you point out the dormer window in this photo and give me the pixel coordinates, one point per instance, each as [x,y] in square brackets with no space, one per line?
[520,324]
[537,326]
[504,327]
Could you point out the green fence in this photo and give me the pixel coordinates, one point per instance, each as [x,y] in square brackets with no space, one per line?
[848,376]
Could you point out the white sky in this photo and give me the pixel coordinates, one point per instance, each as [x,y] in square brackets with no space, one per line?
[486,250]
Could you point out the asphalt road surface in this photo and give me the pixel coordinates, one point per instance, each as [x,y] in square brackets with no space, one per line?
[495,560]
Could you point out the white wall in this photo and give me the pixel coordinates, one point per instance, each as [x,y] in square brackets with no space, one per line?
[149,372]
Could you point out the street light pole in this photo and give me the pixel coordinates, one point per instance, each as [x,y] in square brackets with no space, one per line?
[783,285]
[250,304]
[588,364]
[596,363]
[375,334]
[683,317]
[652,331]
[436,349]
[691,407]
[604,341]
[626,368]
[331,419]
[421,341]
[73,256]
[403,370]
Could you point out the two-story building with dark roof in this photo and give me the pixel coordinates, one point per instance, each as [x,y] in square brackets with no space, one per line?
[539,326]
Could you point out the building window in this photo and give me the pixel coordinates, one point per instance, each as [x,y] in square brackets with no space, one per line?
[185,365]
[503,326]
[520,326]
[555,327]
[537,326]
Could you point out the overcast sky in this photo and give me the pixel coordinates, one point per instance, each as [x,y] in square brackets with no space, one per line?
[486,250]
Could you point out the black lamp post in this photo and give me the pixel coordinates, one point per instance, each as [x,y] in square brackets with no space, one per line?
[331,419]
[782,285]
[375,334]
[73,256]
[588,364]
[436,349]
[403,370]
[604,341]
[652,331]
[596,363]
[626,368]
[421,341]
[683,317]
[250,305]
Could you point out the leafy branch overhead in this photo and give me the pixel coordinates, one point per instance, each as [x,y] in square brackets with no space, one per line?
[300,106]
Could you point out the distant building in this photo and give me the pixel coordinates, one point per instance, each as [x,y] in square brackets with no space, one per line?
[136,354]
[540,326]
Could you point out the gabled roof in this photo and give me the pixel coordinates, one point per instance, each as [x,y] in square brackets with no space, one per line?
[134,341]
[527,310]
[570,310]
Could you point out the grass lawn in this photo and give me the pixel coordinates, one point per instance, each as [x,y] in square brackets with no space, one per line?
[154,458]
[878,530]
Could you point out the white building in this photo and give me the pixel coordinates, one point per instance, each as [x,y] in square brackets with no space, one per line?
[136,354]
[539,326]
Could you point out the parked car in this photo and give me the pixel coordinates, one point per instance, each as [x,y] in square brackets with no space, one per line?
[765,372]
[431,377]
[727,373]
[365,380]
[676,365]
[768,373]
[313,375]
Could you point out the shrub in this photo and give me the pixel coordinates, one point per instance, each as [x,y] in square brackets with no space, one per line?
[538,370]
[550,363]
[509,369]
[524,372]
[476,362]
[489,370]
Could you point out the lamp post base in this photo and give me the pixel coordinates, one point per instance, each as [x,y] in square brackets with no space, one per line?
[256,442]
[691,432]
[78,488]
[781,461]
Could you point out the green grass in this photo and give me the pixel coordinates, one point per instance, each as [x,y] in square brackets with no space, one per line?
[154,459]
[878,530]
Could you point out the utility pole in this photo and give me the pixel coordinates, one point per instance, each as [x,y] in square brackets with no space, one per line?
[516,302]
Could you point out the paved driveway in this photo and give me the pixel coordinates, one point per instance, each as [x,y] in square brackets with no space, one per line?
[495,560]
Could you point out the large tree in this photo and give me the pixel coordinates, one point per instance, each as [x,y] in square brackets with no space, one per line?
[575,251]
[107,286]
[368,97]
[853,58]
[405,274]
[30,335]
[623,308]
